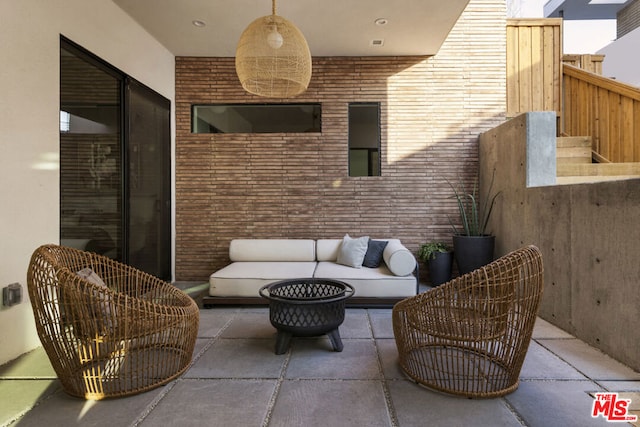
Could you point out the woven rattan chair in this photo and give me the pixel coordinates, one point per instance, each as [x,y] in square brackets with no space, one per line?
[469,336]
[128,335]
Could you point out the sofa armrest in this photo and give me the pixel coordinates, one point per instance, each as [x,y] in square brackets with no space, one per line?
[398,258]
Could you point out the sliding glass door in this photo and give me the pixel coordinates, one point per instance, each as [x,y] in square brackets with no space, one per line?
[148,123]
[114,164]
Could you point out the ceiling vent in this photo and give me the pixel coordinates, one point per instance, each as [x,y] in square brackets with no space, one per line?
[377,42]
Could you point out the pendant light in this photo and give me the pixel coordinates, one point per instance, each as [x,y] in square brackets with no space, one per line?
[273,58]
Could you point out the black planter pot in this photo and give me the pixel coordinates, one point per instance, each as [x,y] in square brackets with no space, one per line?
[440,268]
[473,252]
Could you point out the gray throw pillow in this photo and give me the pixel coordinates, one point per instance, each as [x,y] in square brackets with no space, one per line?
[373,257]
[105,311]
[352,251]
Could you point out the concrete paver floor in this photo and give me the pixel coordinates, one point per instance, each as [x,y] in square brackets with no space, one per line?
[236,379]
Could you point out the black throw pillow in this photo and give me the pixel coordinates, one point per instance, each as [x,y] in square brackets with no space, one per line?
[373,257]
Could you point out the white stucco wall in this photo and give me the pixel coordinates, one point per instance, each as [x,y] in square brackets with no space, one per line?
[621,60]
[29,114]
[587,36]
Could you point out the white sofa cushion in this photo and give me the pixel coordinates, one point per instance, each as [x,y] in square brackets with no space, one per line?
[327,249]
[272,250]
[244,279]
[368,282]
[399,259]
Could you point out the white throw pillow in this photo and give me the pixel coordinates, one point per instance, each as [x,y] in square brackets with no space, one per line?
[352,251]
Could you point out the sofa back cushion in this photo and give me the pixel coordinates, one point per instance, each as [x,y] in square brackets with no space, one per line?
[269,250]
[327,249]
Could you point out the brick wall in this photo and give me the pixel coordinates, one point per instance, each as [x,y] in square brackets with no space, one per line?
[297,185]
[628,18]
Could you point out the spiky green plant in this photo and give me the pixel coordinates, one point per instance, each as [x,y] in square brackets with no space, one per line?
[474,213]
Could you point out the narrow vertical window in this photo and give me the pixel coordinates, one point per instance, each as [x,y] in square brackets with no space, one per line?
[364,139]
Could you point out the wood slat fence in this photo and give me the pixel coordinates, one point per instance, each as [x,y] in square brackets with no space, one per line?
[592,63]
[606,110]
[541,78]
[534,66]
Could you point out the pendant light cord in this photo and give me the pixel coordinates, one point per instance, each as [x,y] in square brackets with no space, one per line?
[273,7]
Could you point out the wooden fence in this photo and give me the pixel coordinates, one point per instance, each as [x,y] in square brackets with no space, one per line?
[606,110]
[592,63]
[534,67]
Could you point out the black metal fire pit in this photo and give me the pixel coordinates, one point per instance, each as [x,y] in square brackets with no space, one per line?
[306,308]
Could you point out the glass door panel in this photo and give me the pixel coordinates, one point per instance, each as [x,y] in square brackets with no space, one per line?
[149,180]
[90,156]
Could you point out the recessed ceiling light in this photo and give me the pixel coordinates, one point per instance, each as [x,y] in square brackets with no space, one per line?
[381,21]
[199,23]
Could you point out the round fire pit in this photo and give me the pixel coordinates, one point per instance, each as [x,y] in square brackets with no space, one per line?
[306,308]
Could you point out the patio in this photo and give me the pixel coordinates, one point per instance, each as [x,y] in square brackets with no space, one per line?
[237,380]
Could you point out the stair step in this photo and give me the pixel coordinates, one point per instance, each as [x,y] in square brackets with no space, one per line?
[598,169]
[573,149]
[574,141]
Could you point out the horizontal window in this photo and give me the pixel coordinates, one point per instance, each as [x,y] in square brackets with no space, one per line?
[255,118]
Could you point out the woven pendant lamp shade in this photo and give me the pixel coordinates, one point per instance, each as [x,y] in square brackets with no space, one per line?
[273,58]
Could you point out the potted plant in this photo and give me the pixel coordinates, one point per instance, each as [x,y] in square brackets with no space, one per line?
[439,259]
[472,244]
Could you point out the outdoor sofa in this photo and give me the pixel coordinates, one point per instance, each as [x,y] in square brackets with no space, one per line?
[382,271]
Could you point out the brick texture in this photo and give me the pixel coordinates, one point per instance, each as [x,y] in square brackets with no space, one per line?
[628,18]
[297,185]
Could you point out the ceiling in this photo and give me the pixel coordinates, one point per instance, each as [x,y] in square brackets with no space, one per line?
[331,27]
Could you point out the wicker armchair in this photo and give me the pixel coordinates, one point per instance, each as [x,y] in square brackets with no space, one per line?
[470,335]
[115,333]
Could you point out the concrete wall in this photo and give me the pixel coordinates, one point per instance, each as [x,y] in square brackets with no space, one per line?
[588,234]
[29,124]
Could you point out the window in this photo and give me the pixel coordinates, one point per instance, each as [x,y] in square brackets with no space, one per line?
[364,139]
[255,118]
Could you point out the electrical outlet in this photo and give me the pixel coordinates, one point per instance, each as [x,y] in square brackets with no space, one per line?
[12,294]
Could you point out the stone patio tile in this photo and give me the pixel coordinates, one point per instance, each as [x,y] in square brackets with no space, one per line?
[238,358]
[250,324]
[34,364]
[620,385]
[222,403]
[540,363]
[261,308]
[544,329]
[389,359]
[60,409]
[417,406]
[315,359]
[18,396]
[201,343]
[381,323]
[212,321]
[634,405]
[356,324]
[589,360]
[555,403]
[313,403]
